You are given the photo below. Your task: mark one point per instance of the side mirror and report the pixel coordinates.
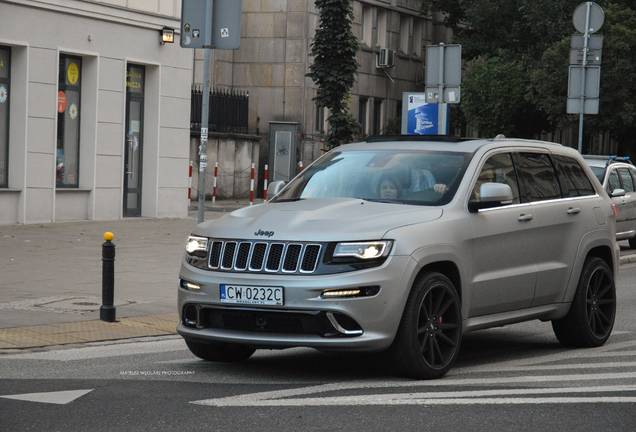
(274, 188)
(491, 195)
(618, 193)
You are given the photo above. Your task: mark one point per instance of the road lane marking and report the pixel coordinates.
(604, 365)
(252, 398)
(55, 397)
(458, 401)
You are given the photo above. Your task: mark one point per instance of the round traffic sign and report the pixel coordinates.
(597, 17)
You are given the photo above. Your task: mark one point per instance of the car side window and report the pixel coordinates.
(573, 180)
(537, 178)
(626, 179)
(498, 169)
(613, 182)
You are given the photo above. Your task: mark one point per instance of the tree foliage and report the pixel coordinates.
(516, 56)
(334, 67)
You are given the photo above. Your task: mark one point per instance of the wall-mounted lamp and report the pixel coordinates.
(167, 35)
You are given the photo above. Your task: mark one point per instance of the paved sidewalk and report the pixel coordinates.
(51, 273)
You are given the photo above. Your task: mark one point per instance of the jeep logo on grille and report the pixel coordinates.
(267, 234)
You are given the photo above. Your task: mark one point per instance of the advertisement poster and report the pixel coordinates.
(418, 117)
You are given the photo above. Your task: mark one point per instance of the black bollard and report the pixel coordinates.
(107, 310)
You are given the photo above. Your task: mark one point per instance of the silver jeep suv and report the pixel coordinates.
(404, 245)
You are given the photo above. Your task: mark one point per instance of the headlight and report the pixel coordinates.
(363, 250)
(197, 246)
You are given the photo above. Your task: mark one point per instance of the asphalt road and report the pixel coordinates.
(513, 378)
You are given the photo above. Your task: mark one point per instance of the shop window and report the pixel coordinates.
(68, 121)
(5, 85)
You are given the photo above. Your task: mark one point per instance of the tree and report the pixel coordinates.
(518, 50)
(334, 50)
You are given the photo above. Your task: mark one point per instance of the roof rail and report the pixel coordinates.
(614, 159)
(429, 138)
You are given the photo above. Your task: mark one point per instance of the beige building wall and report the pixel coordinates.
(107, 35)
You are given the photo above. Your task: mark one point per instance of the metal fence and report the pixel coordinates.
(228, 110)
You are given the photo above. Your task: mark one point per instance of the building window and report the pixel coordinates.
(320, 119)
(418, 35)
(369, 25)
(362, 114)
(383, 24)
(5, 85)
(68, 121)
(406, 34)
(377, 116)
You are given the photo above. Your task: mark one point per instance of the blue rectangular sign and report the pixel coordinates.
(419, 117)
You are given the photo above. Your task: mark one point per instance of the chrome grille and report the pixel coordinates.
(263, 256)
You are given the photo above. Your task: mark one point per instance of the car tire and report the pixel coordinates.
(219, 351)
(590, 321)
(430, 332)
(632, 243)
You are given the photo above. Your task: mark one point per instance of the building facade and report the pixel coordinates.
(94, 111)
(274, 58)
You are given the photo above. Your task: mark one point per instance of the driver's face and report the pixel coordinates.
(388, 190)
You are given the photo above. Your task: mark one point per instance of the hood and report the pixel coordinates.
(333, 219)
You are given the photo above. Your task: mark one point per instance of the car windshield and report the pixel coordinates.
(599, 172)
(405, 177)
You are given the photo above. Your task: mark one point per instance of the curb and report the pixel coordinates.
(627, 259)
(18, 338)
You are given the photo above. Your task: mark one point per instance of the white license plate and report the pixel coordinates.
(251, 295)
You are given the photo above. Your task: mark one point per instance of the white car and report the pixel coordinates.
(618, 177)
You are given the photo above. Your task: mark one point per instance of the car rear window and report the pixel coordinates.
(537, 178)
(573, 180)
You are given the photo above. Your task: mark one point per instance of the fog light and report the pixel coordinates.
(351, 292)
(341, 293)
(189, 285)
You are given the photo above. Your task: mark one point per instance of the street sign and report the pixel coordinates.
(595, 42)
(443, 73)
(594, 21)
(594, 57)
(579, 100)
(443, 80)
(196, 23)
(226, 24)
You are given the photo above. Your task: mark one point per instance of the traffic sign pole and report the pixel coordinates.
(203, 145)
(586, 38)
(441, 112)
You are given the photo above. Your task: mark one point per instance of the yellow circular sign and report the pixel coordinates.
(72, 73)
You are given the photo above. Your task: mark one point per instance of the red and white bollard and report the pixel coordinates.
(216, 174)
(265, 179)
(190, 181)
(252, 173)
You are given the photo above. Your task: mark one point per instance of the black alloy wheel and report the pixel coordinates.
(438, 326)
(601, 302)
(430, 333)
(590, 320)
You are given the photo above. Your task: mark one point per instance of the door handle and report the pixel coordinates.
(128, 162)
(525, 217)
(574, 210)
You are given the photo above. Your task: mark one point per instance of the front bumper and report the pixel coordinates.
(378, 316)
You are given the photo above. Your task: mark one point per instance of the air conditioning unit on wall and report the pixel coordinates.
(385, 59)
